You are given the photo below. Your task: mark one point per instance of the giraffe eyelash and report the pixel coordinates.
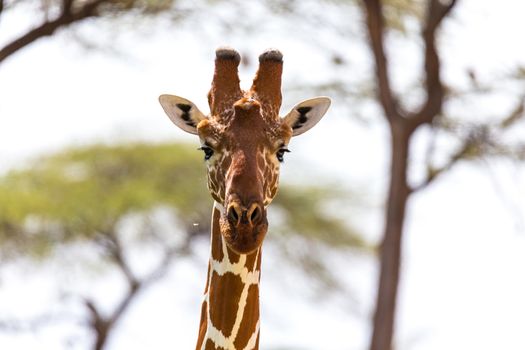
(280, 153)
(208, 151)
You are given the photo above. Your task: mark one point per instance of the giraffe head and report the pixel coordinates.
(244, 141)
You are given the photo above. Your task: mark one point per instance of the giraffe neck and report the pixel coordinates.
(230, 310)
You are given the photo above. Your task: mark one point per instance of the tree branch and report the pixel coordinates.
(481, 140)
(436, 12)
(515, 115)
(478, 143)
(433, 172)
(163, 266)
(89, 9)
(375, 24)
(103, 326)
(66, 6)
(111, 242)
(99, 324)
(123, 305)
(117, 254)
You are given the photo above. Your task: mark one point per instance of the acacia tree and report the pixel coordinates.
(479, 140)
(57, 14)
(83, 196)
(402, 126)
(474, 140)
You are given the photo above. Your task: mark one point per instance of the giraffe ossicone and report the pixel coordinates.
(244, 141)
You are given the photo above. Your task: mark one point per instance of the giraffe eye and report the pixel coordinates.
(208, 152)
(281, 152)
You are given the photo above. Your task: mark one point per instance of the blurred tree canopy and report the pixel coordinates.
(83, 192)
(474, 141)
(86, 194)
(58, 14)
(53, 15)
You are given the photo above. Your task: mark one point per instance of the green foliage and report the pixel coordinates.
(81, 193)
(143, 7)
(107, 7)
(397, 12)
(312, 225)
(306, 213)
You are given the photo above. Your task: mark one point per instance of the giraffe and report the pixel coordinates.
(244, 141)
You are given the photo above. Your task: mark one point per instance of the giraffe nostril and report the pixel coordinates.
(233, 215)
(256, 214)
(239, 215)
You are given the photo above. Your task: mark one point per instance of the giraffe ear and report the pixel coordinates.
(306, 114)
(182, 112)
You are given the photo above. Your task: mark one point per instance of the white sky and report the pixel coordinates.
(462, 280)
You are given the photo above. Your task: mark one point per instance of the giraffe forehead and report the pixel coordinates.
(243, 134)
(249, 120)
(246, 122)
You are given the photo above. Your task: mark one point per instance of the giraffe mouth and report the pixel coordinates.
(243, 238)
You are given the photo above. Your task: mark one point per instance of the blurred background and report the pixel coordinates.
(400, 221)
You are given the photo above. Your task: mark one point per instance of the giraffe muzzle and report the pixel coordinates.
(239, 215)
(244, 226)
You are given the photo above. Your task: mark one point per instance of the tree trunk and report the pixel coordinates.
(384, 316)
(100, 341)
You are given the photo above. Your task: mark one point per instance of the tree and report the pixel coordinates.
(402, 126)
(479, 140)
(69, 12)
(85, 195)
(472, 140)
